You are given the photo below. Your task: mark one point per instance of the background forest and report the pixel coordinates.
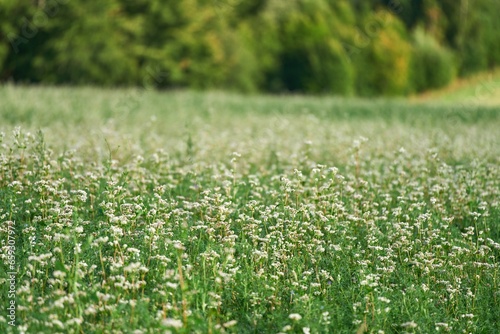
(340, 47)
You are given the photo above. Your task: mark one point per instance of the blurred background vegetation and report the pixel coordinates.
(344, 47)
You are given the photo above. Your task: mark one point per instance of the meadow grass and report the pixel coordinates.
(186, 212)
(482, 88)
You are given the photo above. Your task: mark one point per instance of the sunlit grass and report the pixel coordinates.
(480, 89)
(147, 212)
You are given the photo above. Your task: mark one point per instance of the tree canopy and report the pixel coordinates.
(378, 47)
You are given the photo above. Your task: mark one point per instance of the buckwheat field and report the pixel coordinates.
(183, 212)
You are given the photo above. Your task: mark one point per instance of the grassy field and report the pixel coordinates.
(182, 212)
(480, 89)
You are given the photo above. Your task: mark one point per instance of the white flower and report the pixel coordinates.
(58, 323)
(172, 285)
(295, 316)
(409, 324)
(59, 274)
(230, 323)
(385, 300)
(169, 322)
(178, 245)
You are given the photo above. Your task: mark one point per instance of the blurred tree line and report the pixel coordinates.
(377, 47)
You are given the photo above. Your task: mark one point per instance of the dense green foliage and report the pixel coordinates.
(433, 66)
(216, 213)
(317, 46)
